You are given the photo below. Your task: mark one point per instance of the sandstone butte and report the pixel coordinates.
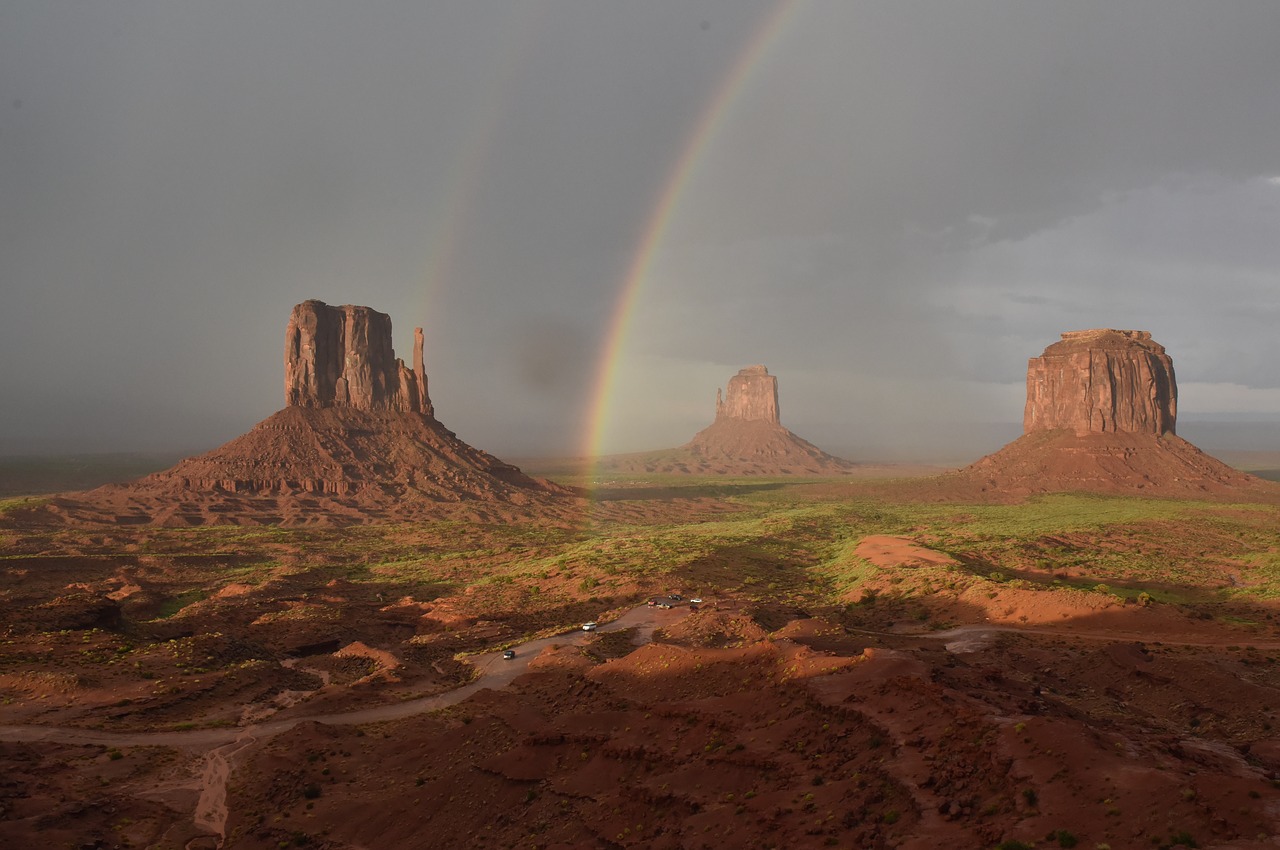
(1101, 415)
(342, 357)
(1102, 381)
(357, 440)
(746, 438)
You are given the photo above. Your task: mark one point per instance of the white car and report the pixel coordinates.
(696, 601)
(589, 627)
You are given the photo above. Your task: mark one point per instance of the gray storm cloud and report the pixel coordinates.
(903, 202)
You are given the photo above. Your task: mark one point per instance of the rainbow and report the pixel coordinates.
(464, 187)
(659, 221)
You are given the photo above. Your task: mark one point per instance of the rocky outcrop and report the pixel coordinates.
(752, 396)
(1102, 381)
(342, 357)
(1100, 416)
(357, 441)
(746, 438)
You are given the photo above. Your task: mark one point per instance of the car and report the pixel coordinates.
(675, 597)
(695, 601)
(589, 627)
(508, 654)
(666, 605)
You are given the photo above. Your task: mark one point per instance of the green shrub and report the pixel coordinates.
(1064, 838)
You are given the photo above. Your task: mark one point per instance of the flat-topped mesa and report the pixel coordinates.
(342, 357)
(1102, 381)
(752, 396)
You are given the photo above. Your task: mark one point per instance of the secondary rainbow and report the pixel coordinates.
(466, 183)
(678, 178)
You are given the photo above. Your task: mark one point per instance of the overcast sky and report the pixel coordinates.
(901, 202)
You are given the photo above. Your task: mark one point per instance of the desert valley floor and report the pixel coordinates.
(870, 665)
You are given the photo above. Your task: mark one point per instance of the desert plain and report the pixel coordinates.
(866, 669)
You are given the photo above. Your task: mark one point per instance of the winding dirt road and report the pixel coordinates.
(222, 745)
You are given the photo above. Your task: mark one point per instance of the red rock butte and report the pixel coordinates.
(752, 397)
(746, 438)
(342, 357)
(1102, 381)
(1100, 416)
(357, 441)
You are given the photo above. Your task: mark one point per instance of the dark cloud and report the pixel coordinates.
(901, 198)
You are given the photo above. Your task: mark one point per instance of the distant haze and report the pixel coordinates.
(895, 205)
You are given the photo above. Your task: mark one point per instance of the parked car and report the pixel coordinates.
(508, 654)
(675, 597)
(589, 627)
(695, 601)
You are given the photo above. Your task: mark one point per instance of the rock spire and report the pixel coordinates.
(342, 357)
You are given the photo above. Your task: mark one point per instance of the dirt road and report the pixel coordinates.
(222, 745)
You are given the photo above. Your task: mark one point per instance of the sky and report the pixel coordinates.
(600, 211)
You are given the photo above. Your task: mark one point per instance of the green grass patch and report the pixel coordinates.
(174, 604)
(9, 505)
(1263, 579)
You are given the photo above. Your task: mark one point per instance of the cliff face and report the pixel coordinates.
(1102, 381)
(342, 357)
(752, 396)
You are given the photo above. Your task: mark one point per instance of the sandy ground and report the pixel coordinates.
(298, 701)
(492, 670)
(720, 733)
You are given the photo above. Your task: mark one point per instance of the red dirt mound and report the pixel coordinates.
(1060, 461)
(736, 447)
(307, 465)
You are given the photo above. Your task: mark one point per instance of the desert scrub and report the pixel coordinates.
(1063, 837)
(844, 571)
(7, 505)
(1262, 579)
(303, 612)
(175, 604)
(1050, 514)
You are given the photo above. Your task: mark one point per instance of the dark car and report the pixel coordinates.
(675, 597)
(508, 654)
